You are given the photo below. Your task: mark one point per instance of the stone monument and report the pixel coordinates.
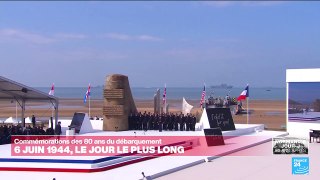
(156, 102)
(118, 103)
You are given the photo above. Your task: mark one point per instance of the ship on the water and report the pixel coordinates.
(222, 86)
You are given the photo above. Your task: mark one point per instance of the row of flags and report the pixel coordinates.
(244, 94)
(86, 96)
(186, 107)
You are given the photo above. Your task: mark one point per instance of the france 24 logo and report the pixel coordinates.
(300, 165)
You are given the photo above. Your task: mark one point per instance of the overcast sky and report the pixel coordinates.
(181, 44)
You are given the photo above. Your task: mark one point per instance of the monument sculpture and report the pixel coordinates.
(118, 103)
(156, 101)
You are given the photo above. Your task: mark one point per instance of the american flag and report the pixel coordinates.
(164, 97)
(203, 95)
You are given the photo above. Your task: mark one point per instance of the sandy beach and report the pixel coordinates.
(268, 112)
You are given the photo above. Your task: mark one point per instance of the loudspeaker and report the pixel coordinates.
(25, 90)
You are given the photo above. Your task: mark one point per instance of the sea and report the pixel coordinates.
(191, 93)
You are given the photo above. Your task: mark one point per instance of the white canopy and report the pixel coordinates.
(11, 90)
(11, 120)
(28, 120)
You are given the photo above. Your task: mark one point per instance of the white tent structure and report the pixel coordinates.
(11, 90)
(28, 120)
(11, 120)
(204, 121)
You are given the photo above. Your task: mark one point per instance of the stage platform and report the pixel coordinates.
(134, 165)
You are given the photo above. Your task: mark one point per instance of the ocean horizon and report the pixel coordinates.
(191, 93)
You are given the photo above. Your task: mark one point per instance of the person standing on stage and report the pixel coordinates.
(182, 121)
(193, 124)
(160, 123)
(57, 130)
(176, 122)
(33, 120)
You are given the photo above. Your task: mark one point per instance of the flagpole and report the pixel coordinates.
(165, 99)
(89, 106)
(89, 94)
(51, 93)
(205, 95)
(247, 110)
(16, 110)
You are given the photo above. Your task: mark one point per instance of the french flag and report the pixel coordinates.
(87, 95)
(51, 92)
(244, 94)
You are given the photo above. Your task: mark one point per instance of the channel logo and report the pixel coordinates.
(300, 165)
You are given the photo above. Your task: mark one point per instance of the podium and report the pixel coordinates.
(70, 132)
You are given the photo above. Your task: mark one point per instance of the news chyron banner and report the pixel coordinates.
(290, 145)
(128, 145)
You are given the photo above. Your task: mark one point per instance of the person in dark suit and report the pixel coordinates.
(139, 121)
(160, 123)
(57, 130)
(146, 118)
(156, 122)
(50, 131)
(182, 122)
(33, 120)
(41, 131)
(187, 121)
(193, 123)
(151, 122)
(176, 122)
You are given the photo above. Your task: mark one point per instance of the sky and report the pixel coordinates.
(180, 44)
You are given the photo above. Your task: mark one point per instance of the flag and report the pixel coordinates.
(164, 97)
(186, 107)
(51, 92)
(203, 95)
(244, 94)
(87, 95)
